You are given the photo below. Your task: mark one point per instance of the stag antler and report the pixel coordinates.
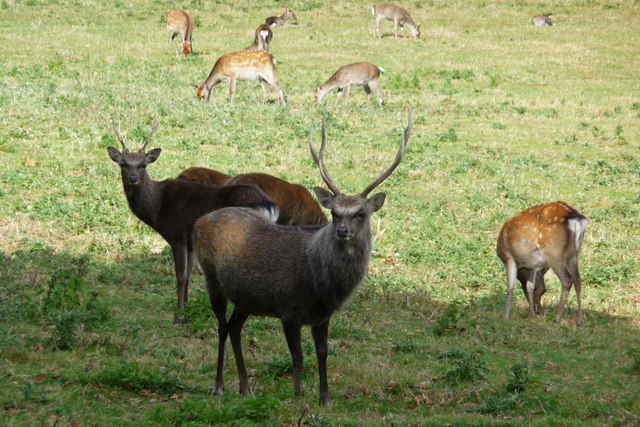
(320, 159)
(113, 120)
(155, 126)
(385, 174)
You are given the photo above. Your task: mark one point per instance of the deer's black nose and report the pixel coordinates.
(342, 231)
(133, 179)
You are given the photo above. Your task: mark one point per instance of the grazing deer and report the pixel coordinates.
(394, 13)
(542, 21)
(363, 74)
(281, 20)
(542, 237)
(262, 38)
(179, 23)
(297, 205)
(298, 275)
(171, 207)
(246, 65)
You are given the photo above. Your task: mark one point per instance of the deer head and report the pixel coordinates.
(351, 213)
(132, 164)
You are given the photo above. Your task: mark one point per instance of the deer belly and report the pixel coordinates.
(248, 75)
(533, 258)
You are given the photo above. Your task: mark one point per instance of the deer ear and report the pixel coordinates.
(376, 201)
(115, 155)
(325, 197)
(152, 155)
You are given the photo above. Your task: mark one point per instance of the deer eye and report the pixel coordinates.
(361, 216)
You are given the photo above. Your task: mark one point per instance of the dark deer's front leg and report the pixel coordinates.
(320, 337)
(292, 331)
(181, 263)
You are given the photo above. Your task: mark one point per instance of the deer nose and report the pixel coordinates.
(342, 231)
(133, 179)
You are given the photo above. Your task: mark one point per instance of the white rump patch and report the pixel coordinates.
(577, 227)
(382, 70)
(272, 213)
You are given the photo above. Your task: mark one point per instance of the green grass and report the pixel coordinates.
(506, 115)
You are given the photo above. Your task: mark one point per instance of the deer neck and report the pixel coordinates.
(338, 267)
(144, 199)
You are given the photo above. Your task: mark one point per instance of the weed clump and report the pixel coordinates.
(467, 367)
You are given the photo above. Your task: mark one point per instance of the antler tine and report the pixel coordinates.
(155, 126)
(384, 175)
(113, 120)
(320, 158)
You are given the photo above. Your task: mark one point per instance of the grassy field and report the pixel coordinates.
(506, 115)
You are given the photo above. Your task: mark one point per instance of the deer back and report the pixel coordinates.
(297, 205)
(204, 176)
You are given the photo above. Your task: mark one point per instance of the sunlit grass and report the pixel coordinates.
(505, 115)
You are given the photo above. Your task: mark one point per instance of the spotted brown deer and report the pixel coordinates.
(281, 20)
(398, 15)
(171, 207)
(542, 237)
(297, 205)
(363, 74)
(301, 276)
(262, 38)
(179, 23)
(247, 65)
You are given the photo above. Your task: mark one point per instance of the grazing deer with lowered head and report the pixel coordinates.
(398, 15)
(245, 65)
(363, 74)
(297, 205)
(179, 23)
(542, 21)
(262, 38)
(542, 237)
(171, 207)
(298, 275)
(281, 20)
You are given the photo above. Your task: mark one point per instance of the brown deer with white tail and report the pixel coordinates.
(171, 207)
(281, 20)
(542, 237)
(247, 65)
(262, 38)
(363, 74)
(179, 23)
(398, 15)
(299, 275)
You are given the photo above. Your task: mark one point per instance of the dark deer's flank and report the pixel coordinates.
(297, 205)
(298, 275)
(171, 207)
